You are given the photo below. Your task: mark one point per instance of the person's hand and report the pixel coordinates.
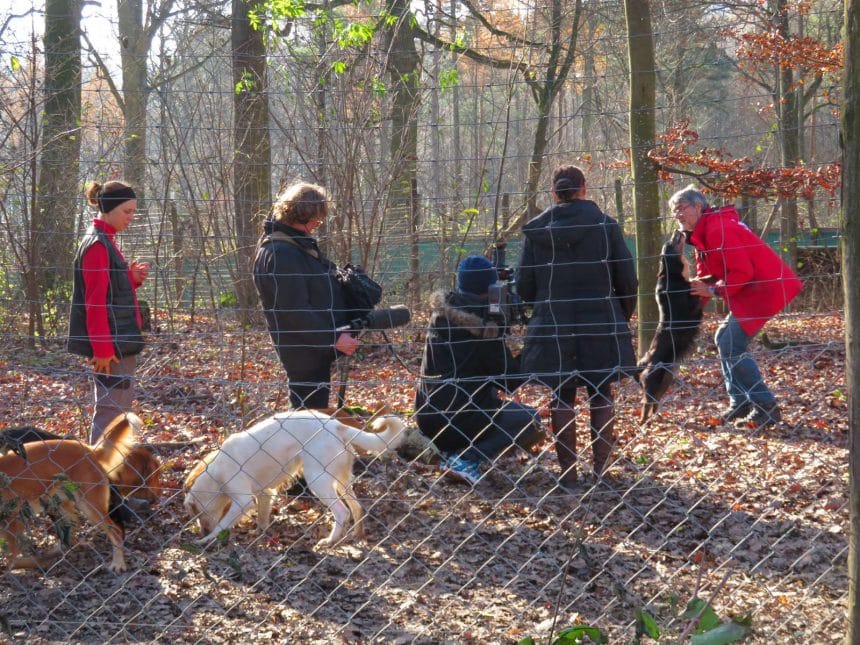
(139, 271)
(102, 365)
(701, 288)
(347, 344)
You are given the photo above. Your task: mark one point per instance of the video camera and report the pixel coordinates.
(504, 304)
(385, 318)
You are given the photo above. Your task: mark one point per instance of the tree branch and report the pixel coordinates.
(495, 30)
(100, 64)
(526, 70)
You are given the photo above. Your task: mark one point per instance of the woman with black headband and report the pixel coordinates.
(105, 322)
(578, 275)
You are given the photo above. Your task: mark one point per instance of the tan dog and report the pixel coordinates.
(68, 470)
(139, 475)
(251, 465)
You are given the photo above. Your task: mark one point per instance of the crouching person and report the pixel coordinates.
(466, 363)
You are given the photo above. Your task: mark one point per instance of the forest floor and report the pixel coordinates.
(755, 522)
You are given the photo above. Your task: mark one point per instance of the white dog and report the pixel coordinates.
(251, 465)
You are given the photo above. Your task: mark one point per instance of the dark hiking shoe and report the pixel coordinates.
(569, 480)
(760, 417)
(734, 412)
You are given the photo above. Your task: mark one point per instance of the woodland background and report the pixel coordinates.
(435, 125)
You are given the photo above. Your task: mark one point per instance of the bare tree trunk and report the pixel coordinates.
(404, 68)
(749, 212)
(58, 184)
(134, 46)
(32, 266)
(561, 54)
(538, 149)
(252, 189)
(414, 259)
(323, 71)
(457, 188)
(619, 204)
(451, 216)
(589, 90)
(850, 226)
(646, 201)
(789, 129)
(436, 199)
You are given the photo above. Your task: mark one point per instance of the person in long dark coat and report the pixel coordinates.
(579, 277)
(300, 295)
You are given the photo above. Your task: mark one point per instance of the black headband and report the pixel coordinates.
(110, 199)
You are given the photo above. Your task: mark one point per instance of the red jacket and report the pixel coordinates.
(756, 283)
(96, 283)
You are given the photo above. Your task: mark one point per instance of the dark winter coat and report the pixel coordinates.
(580, 279)
(301, 299)
(466, 362)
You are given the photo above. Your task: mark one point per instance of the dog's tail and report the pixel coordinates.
(117, 441)
(387, 434)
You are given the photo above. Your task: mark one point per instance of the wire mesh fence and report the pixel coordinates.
(697, 525)
(753, 522)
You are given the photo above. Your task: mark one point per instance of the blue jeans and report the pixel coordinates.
(740, 371)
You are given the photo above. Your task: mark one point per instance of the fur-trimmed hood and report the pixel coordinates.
(464, 311)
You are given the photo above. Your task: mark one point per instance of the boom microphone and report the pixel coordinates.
(395, 316)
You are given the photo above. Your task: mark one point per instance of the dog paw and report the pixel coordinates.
(331, 541)
(118, 566)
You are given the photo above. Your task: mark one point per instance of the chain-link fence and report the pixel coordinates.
(752, 522)
(435, 128)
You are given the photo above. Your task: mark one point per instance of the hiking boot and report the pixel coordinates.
(461, 469)
(736, 411)
(564, 428)
(760, 417)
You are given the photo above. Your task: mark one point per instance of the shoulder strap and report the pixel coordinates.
(280, 236)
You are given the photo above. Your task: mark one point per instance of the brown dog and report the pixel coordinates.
(138, 476)
(70, 471)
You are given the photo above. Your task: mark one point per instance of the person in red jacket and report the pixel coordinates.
(734, 264)
(105, 321)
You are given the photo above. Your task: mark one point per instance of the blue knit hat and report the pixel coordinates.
(475, 275)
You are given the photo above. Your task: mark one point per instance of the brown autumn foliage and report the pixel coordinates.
(717, 170)
(756, 522)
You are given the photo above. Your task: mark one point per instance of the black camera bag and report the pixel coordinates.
(361, 293)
